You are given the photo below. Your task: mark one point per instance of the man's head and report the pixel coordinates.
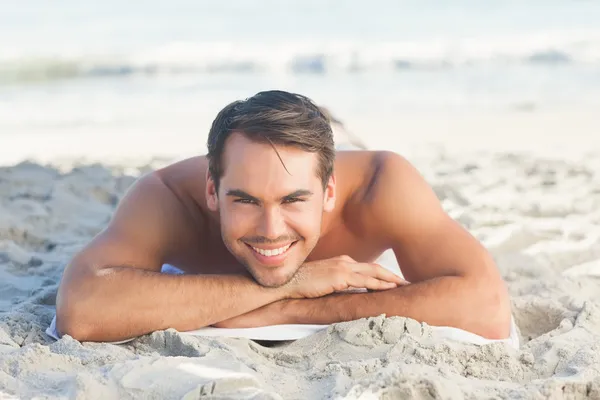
(271, 178)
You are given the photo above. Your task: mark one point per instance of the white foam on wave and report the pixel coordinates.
(299, 57)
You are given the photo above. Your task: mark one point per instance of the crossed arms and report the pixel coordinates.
(113, 288)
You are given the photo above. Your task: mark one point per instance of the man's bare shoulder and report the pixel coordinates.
(184, 174)
(366, 172)
(357, 173)
(186, 180)
(386, 172)
(385, 183)
(141, 232)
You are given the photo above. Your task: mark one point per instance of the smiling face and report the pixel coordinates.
(270, 212)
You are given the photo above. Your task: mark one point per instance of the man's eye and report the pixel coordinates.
(245, 201)
(293, 200)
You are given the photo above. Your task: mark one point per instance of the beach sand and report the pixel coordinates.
(539, 217)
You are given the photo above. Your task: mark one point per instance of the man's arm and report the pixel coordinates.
(454, 281)
(113, 289)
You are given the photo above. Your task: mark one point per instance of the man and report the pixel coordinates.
(271, 227)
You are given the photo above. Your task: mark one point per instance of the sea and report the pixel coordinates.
(128, 79)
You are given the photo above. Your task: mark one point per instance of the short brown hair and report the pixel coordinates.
(276, 117)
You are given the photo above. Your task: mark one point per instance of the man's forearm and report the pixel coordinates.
(445, 301)
(121, 303)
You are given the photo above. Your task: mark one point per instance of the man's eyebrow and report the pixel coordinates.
(298, 193)
(240, 193)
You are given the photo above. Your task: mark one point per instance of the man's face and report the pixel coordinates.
(270, 214)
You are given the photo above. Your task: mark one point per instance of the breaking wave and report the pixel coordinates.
(306, 58)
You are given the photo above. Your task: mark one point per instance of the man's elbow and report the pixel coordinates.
(70, 322)
(495, 313)
(74, 313)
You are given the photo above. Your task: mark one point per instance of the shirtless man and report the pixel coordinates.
(271, 227)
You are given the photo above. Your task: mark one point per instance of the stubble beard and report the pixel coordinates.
(266, 283)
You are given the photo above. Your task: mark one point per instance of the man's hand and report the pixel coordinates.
(318, 279)
(323, 277)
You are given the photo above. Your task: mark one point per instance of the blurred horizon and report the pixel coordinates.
(137, 79)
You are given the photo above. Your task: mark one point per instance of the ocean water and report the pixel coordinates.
(89, 78)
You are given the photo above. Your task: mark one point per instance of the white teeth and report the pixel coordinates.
(271, 253)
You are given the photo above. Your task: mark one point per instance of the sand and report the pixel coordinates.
(539, 216)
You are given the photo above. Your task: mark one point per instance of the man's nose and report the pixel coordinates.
(272, 225)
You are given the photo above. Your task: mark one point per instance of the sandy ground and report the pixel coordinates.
(538, 215)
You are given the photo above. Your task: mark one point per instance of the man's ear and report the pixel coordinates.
(212, 198)
(329, 199)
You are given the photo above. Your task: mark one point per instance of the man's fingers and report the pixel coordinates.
(383, 273)
(368, 282)
(377, 271)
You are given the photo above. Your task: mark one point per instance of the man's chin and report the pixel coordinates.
(270, 282)
(273, 279)
(272, 285)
